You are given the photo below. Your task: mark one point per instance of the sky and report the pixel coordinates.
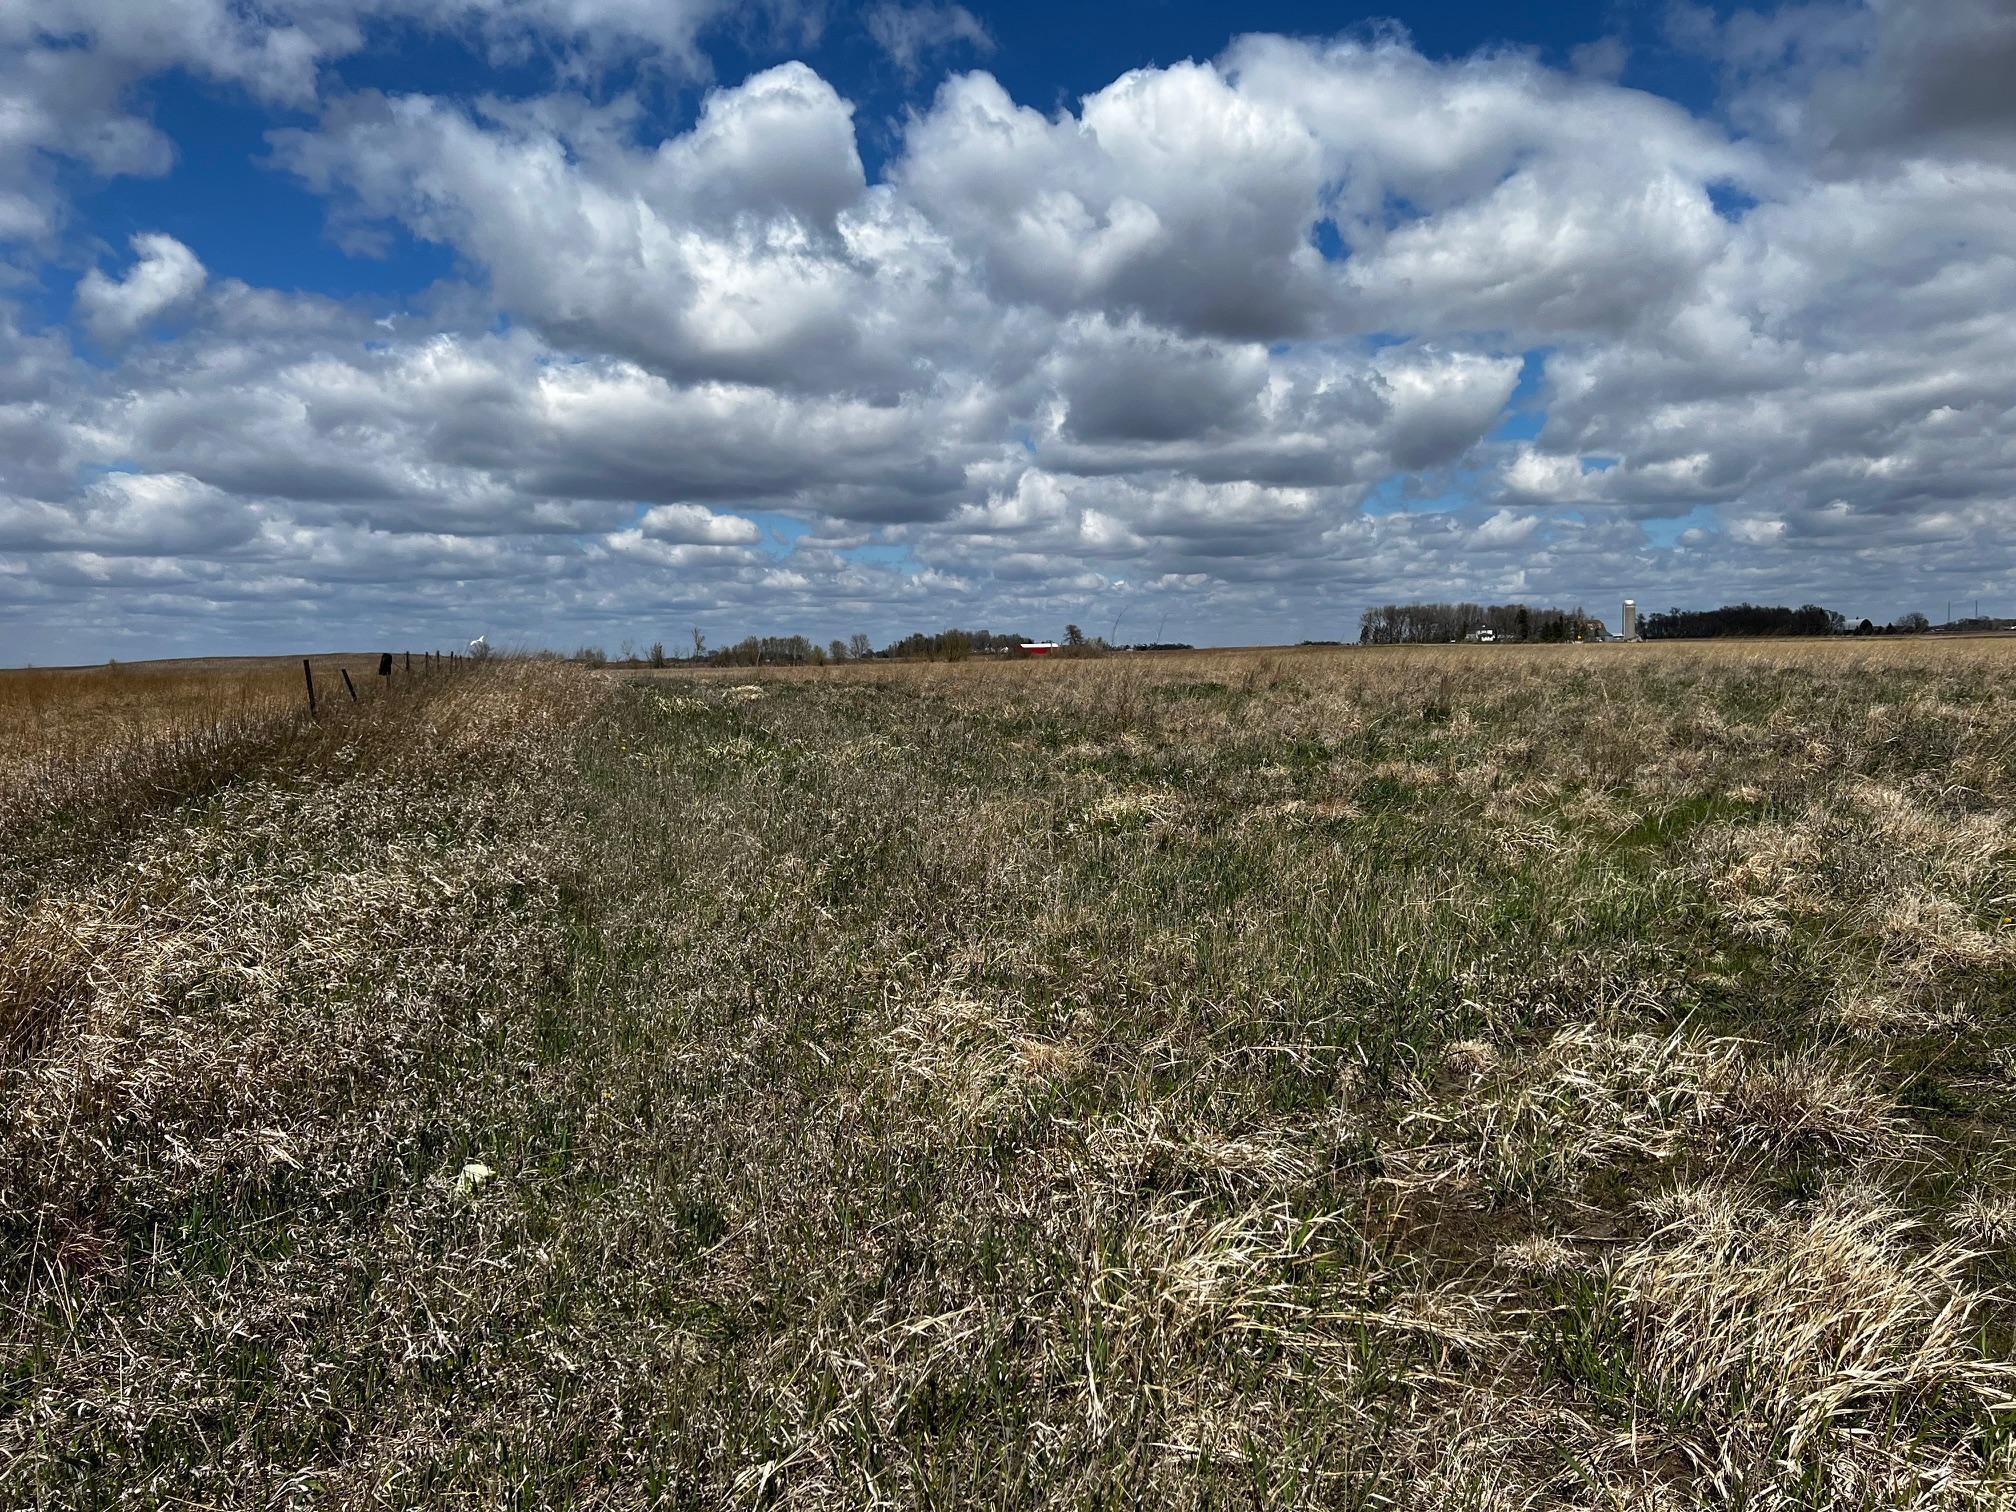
(388, 323)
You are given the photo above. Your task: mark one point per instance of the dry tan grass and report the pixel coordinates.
(48, 713)
(125, 734)
(1787, 1330)
(1465, 1077)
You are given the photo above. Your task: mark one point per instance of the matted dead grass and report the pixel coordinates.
(1468, 1077)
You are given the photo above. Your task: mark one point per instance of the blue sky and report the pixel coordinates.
(594, 321)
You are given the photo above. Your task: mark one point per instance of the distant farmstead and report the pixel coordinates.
(1037, 648)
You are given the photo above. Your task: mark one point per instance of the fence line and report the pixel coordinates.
(392, 672)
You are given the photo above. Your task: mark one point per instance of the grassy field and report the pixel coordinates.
(1469, 1078)
(68, 734)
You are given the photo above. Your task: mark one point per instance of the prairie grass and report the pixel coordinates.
(48, 713)
(1469, 1078)
(124, 734)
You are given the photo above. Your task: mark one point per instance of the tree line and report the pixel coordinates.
(799, 651)
(781, 651)
(1439, 624)
(953, 645)
(1742, 619)
(1386, 625)
(935, 645)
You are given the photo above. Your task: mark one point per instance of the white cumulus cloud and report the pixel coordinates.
(1264, 336)
(165, 277)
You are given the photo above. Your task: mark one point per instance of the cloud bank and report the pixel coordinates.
(1241, 345)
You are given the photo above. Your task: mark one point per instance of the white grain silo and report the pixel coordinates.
(1630, 619)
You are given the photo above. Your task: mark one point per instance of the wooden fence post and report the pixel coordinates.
(349, 685)
(309, 673)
